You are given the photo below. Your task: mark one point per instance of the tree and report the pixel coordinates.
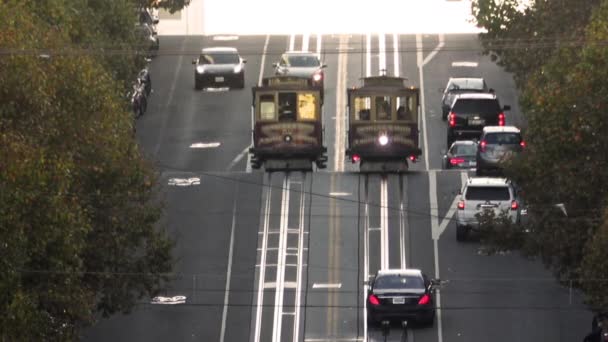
(79, 208)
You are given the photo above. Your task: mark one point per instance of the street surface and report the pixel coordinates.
(284, 256)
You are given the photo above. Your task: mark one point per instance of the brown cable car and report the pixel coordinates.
(383, 124)
(287, 132)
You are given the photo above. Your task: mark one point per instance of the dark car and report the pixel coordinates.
(497, 144)
(470, 113)
(461, 155)
(219, 67)
(460, 85)
(301, 64)
(401, 294)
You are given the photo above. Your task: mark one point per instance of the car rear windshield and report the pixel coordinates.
(397, 281)
(502, 138)
(487, 193)
(464, 150)
(471, 83)
(476, 106)
(220, 58)
(303, 61)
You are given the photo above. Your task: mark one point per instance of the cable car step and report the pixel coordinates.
(288, 165)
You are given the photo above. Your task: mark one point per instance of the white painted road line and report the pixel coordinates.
(396, 72)
(281, 258)
(448, 217)
(229, 270)
(261, 76)
(340, 134)
(305, 42)
(326, 286)
(403, 224)
(300, 256)
(420, 63)
(319, 37)
(262, 272)
(238, 158)
(382, 54)
(465, 64)
(337, 194)
(435, 50)
(434, 229)
(384, 223)
(368, 55)
(292, 42)
(365, 257)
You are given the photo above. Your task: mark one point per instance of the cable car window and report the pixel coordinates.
(307, 106)
(407, 108)
(362, 108)
(383, 107)
(267, 107)
(287, 106)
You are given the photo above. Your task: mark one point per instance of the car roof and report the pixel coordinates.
(487, 181)
(220, 49)
(482, 96)
(400, 271)
(501, 129)
(465, 80)
(465, 142)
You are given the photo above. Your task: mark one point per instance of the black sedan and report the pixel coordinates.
(219, 67)
(401, 295)
(460, 85)
(301, 64)
(461, 155)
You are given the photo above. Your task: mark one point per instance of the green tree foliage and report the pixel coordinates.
(170, 5)
(594, 268)
(79, 208)
(563, 97)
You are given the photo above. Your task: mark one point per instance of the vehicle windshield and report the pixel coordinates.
(487, 193)
(503, 138)
(467, 84)
(303, 61)
(219, 58)
(464, 150)
(398, 281)
(476, 106)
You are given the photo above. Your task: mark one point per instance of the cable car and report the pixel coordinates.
(383, 124)
(287, 132)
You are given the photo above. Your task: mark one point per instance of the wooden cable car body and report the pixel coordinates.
(383, 124)
(287, 131)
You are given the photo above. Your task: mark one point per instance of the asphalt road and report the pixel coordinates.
(283, 257)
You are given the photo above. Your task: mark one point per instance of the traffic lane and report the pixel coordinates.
(201, 230)
(503, 297)
(188, 117)
(332, 305)
(460, 48)
(241, 291)
(330, 56)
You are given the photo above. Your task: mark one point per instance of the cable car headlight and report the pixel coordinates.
(287, 138)
(200, 69)
(317, 77)
(383, 139)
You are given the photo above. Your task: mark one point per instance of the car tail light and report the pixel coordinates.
(482, 146)
(356, 158)
(460, 205)
(424, 300)
(523, 144)
(412, 158)
(456, 161)
(452, 118)
(373, 300)
(501, 119)
(514, 205)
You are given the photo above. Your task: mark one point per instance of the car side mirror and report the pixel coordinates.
(506, 107)
(155, 21)
(491, 90)
(323, 66)
(194, 61)
(244, 60)
(435, 282)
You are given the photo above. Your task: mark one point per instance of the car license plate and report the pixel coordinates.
(476, 121)
(472, 163)
(219, 79)
(399, 300)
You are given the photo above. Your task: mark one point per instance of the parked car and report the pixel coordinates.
(497, 144)
(461, 155)
(219, 66)
(148, 40)
(485, 193)
(302, 64)
(146, 17)
(460, 85)
(401, 294)
(471, 112)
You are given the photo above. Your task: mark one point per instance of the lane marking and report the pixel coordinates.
(465, 64)
(300, 254)
(285, 284)
(420, 62)
(292, 42)
(336, 194)
(448, 217)
(403, 224)
(431, 55)
(326, 286)
(396, 54)
(225, 38)
(352, 339)
(305, 42)
(384, 264)
(340, 134)
(382, 54)
(281, 258)
(368, 55)
(184, 181)
(205, 145)
(434, 229)
(319, 37)
(229, 271)
(238, 158)
(262, 265)
(365, 256)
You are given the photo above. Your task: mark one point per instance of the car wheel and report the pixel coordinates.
(461, 233)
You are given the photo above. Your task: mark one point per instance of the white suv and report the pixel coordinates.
(485, 193)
